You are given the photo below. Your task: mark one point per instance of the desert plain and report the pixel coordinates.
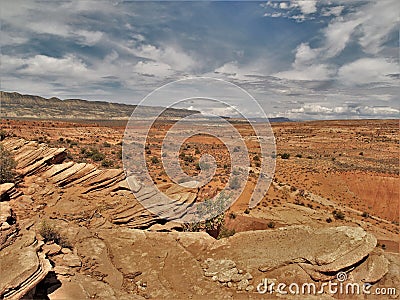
(333, 206)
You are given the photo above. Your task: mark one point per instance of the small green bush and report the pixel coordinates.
(338, 215)
(50, 233)
(7, 166)
(271, 224)
(225, 232)
(107, 163)
(285, 155)
(98, 156)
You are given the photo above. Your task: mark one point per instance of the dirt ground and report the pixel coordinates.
(350, 167)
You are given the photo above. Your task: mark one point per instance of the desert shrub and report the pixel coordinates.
(50, 233)
(338, 215)
(232, 215)
(328, 220)
(285, 155)
(119, 154)
(365, 215)
(225, 232)
(212, 211)
(3, 135)
(309, 157)
(247, 211)
(106, 145)
(271, 224)
(256, 158)
(107, 163)
(197, 151)
(188, 158)
(98, 156)
(154, 160)
(7, 166)
(94, 154)
(299, 155)
(361, 153)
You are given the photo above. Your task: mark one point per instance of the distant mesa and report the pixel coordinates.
(16, 105)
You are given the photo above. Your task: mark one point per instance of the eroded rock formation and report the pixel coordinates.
(118, 249)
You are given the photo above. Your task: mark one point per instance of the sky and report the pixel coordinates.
(299, 59)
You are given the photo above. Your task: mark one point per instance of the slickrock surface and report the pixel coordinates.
(121, 251)
(22, 266)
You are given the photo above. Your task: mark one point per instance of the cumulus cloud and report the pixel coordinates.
(307, 6)
(306, 67)
(367, 70)
(45, 65)
(345, 111)
(167, 55)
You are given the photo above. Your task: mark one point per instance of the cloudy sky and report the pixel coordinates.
(299, 59)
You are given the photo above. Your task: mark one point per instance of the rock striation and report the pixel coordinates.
(120, 250)
(22, 266)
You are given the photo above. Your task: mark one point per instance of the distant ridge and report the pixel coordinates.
(16, 105)
(272, 120)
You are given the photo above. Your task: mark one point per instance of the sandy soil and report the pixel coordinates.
(351, 166)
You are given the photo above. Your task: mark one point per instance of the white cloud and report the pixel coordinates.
(305, 55)
(337, 35)
(312, 72)
(89, 38)
(169, 55)
(367, 70)
(307, 67)
(45, 65)
(353, 111)
(151, 68)
(379, 20)
(332, 11)
(307, 6)
(372, 22)
(283, 5)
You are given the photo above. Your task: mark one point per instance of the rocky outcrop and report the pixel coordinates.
(8, 191)
(55, 178)
(112, 259)
(22, 266)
